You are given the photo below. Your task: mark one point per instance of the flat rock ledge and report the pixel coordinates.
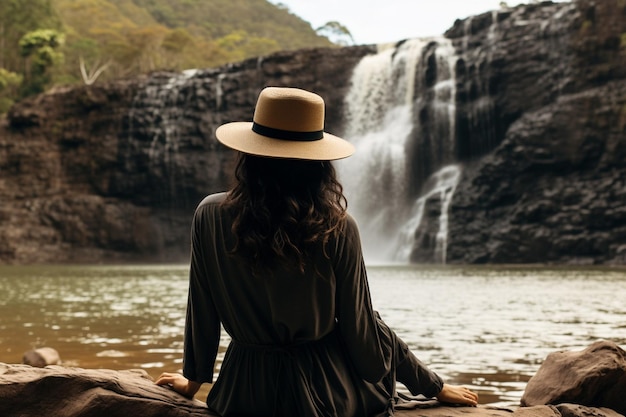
(56, 390)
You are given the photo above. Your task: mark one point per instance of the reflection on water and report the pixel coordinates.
(492, 327)
(110, 317)
(481, 326)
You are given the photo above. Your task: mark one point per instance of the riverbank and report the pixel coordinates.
(587, 383)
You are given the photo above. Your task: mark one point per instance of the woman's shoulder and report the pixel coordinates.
(350, 221)
(351, 225)
(211, 206)
(349, 231)
(217, 198)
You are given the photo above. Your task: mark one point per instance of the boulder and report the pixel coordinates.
(593, 377)
(71, 392)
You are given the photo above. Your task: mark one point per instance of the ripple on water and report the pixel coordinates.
(486, 327)
(111, 354)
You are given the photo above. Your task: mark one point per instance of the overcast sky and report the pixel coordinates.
(381, 21)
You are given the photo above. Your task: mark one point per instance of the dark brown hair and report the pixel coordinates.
(283, 208)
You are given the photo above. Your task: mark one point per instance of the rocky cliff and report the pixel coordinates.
(113, 172)
(553, 189)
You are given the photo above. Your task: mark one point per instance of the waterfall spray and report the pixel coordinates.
(389, 90)
(441, 186)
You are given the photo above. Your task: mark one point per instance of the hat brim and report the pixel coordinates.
(239, 136)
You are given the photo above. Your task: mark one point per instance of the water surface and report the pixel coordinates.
(486, 327)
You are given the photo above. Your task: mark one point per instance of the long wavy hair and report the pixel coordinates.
(284, 208)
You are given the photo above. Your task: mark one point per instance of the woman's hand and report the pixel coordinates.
(179, 383)
(456, 394)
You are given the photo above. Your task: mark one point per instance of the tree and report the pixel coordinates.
(336, 32)
(40, 49)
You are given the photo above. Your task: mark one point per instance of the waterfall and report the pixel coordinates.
(164, 144)
(158, 126)
(415, 233)
(400, 114)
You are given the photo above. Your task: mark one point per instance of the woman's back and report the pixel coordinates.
(287, 345)
(278, 306)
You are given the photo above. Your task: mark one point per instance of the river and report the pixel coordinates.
(485, 327)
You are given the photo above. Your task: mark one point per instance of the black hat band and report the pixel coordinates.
(287, 134)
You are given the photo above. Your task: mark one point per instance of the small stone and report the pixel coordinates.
(41, 357)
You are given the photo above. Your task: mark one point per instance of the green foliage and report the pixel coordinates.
(139, 36)
(239, 45)
(40, 48)
(33, 42)
(177, 40)
(108, 39)
(218, 18)
(9, 80)
(9, 87)
(17, 18)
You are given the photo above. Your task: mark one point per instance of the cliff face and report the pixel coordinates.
(553, 189)
(113, 172)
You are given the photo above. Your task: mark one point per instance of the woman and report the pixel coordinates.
(277, 262)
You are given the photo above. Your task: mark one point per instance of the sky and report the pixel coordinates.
(382, 21)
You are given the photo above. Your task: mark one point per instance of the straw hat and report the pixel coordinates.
(288, 123)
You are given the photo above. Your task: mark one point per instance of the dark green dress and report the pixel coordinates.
(302, 344)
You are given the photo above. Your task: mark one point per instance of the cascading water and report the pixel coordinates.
(441, 187)
(165, 143)
(158, 126)
(400, 116)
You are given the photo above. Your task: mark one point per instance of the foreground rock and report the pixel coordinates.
(71, 392)
(590, 383)
(561, 410)
(595, 377)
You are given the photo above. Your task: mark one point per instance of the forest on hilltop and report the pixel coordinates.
(44, 43)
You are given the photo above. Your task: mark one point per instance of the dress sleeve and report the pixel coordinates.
(202, 326)
(369, 348)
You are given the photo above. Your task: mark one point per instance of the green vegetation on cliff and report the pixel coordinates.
(49, 42)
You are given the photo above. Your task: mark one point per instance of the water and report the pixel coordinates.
(443, 184)
(485, 327)
(400, 115)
